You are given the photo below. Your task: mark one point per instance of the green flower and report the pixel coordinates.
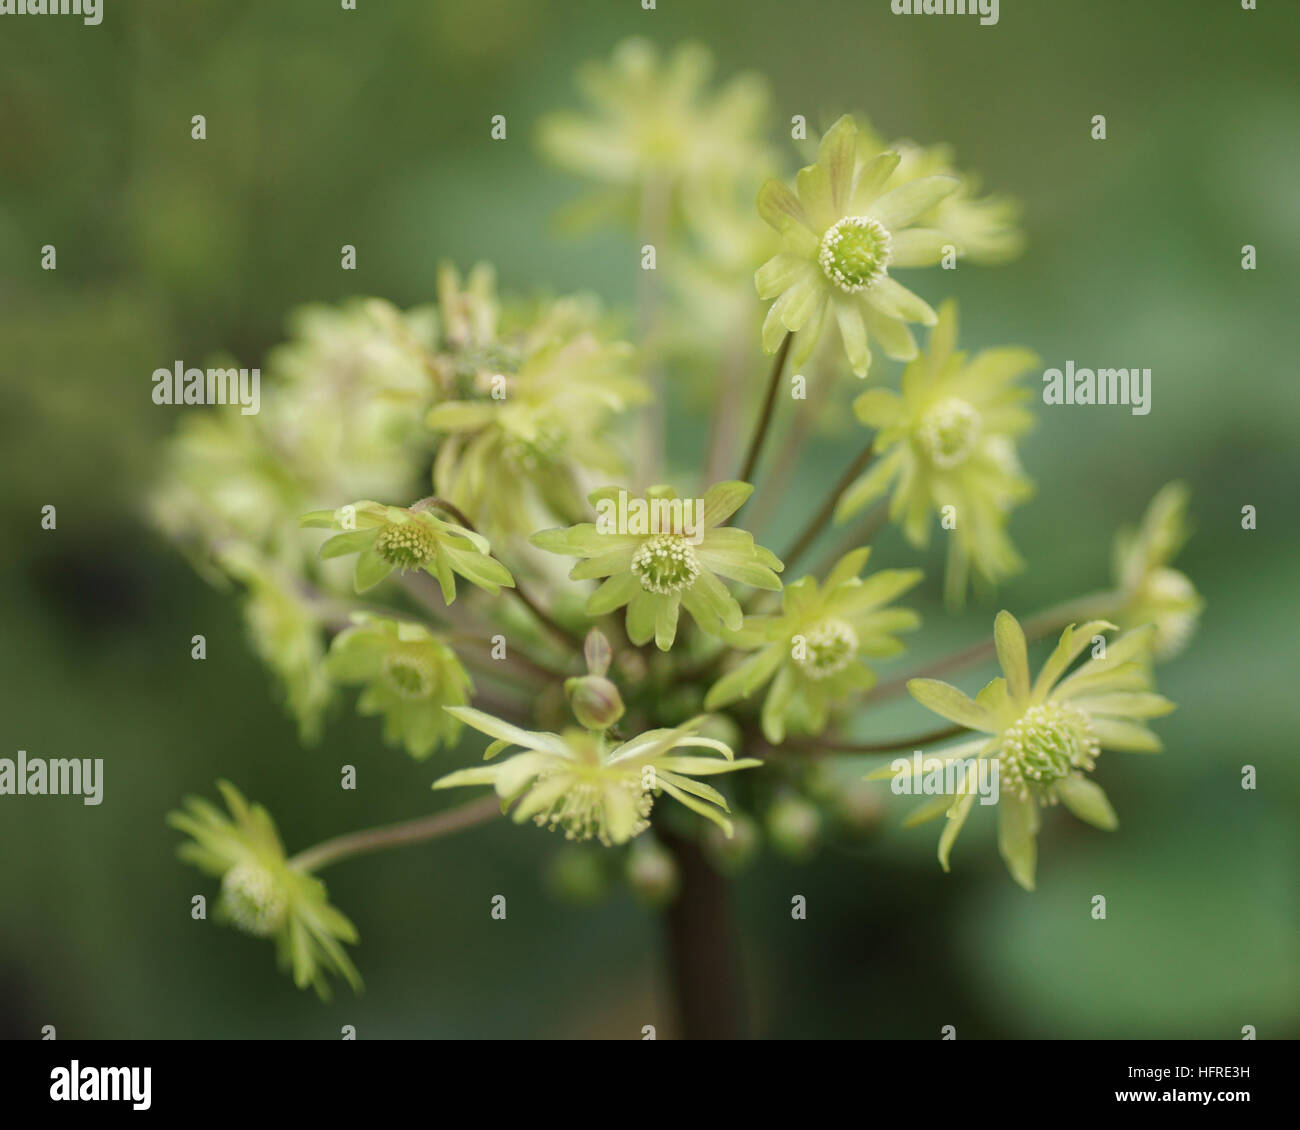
(286, 634)
(817, 646)
(409, 676)
(263, 893)
(1045, 736)
(948, 441)
(656, 128)
(1152, 592)
(984, 229)
(842, 233)
(659, 554)
(533, 408)
(393, 537)
(578, 782)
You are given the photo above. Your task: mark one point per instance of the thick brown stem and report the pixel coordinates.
(704, 949)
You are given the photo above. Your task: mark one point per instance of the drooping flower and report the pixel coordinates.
(262, 892)
(948, 441)
(1151, 591)
(843, 233)
(1044, 737)
(814, 652)
(395, 537)
(409, 676)
(659, 553)
(531, 402)
(578, 782)
(286, 633)
(655, 130)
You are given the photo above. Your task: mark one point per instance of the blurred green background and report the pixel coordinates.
(371, 127)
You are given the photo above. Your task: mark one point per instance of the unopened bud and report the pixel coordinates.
(794, 826)
(595, 701)
(651, 872)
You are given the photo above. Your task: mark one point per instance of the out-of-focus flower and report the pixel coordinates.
(948, 441)
(842, 233)
(286, 632)
(578, 782)
(1044, 736)
(983, 229)
(814, 652)
(655, 134)
(1151, 591)
(262, 893)
(409, 676)
(660, 553)
(528, 414)
(395, 537)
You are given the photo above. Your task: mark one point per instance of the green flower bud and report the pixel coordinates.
(595, 701)
(794, 826)
(651, 872)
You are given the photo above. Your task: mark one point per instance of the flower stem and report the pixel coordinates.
(765, 418)
(396, 835)
(703, 948)
(527, 601)
(819, 520)
(833, 745)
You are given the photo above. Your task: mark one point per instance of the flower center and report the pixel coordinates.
(1049, 742)
(949, 432)
(829, 647)
(409, 672)
(665, 564)
(407, 545)
(855, 253)
(255, 903)
(581, 809)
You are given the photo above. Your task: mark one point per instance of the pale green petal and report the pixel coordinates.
(917, 247)
(614, 593)
(1009, 639)
(1017, 843)
(948, 702)
(370, 570)
(354, 541)
(779, 206)
(1086, 800)
(743, 680)
(1125, 737)
(900, 206)
(780, 273)
(722, 500)
(1073, 640)
(956, 818)
(853, 332)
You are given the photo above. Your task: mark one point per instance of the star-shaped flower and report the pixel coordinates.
(948, 442)
(842, 235)
(409, 676)
(817, 646)
(578, 782)
(396, 537)
(1043, 737)
(263, 893)
(660, 553)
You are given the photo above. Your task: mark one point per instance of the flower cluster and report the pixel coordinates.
(486, 424)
